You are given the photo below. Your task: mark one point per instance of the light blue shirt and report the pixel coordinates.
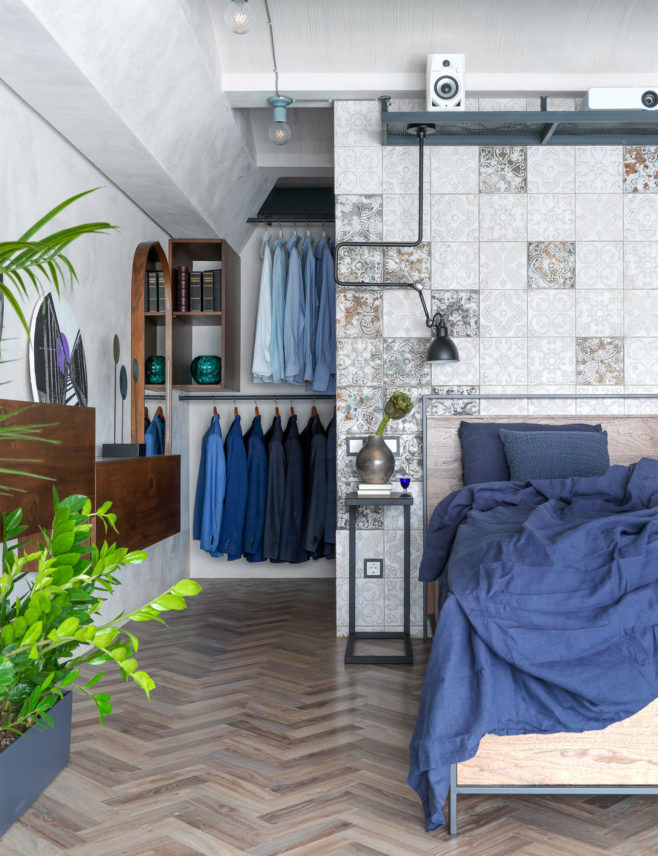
(261, 367)
(310, 308)
(293, 329)
(278, 309)
(324, 376)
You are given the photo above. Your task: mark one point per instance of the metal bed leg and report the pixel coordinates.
(453, 799)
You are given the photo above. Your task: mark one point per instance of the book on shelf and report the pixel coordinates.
(207, 285)
(182, 289)
(377, 488)
(152, 288)
(195, 291)
(161, 291)
(217, 290)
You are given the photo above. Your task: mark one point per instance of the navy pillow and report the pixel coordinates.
(555, 454)
(483, 456)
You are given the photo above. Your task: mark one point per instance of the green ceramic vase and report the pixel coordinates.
(207, 369)
(155, 369)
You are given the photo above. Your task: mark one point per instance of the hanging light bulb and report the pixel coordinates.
(236, 16)
(279, 132)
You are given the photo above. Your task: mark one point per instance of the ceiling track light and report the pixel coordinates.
(236, 16)
(279, 132)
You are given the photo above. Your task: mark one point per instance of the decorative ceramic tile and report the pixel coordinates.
(641, 169)
(358, 361)
(640, 312)
(403, 314)
(641, 360)
(453, 406)
(367, 516)
(551, 217)
(552, 407)
(410, 460)
(345, 469)
(553, 103)
(454, 169)
(455, 217)
(504, 104)
(394, 603)
(511, 406)
(600, 264)
(503, 361)
(550, 169)
(369, 545)
(599, 216)
(641, 406)
(640, 264)
(357, 123)
(460, 310)
(551, 312)
(503, 264)
(407, 105)
(503, 313)
(394, 517)
(413, 422)
(598, 407)
(404, 362)
(641, 217)
(401, 217)
(361, 264)
(598, 169)
(369, 602)
(357, 170)
(454, 265)
(503, 217)
(599, 360)
(551, 264)
(394, 554)
(342, 606)
(401, 170)
(359, 218)
(358, 312)
(599, 313)
(552, 360)
(407, 264)
(465, 372)
(358, 409)
(342, 554)
(503, 169)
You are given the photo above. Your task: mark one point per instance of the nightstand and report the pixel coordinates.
(353, 501)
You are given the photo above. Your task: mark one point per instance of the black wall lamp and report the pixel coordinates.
(442, 349)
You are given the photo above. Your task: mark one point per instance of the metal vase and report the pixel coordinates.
(375, 462)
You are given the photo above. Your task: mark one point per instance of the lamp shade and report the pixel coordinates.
(442, 349)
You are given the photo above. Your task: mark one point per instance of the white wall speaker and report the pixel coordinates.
(622, 98)
(445, 82)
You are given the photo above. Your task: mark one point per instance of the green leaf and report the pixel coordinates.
(143, 680)
(93, 681)
(136, 557)
(104, 637)
(129, 666)
(169, 601)
(187, 588)
(34, 653)
(68, 626)
(32, 634)
(69, 678)
(63, 542)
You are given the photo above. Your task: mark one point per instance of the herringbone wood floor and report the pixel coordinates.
(259, 741)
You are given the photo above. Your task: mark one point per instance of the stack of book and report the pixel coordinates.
(382, 490)
(154, 291)
(182, 289)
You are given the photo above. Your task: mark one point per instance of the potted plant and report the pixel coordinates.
(50, 599)
(375, 462)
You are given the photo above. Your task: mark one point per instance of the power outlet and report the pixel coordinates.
(373, 568)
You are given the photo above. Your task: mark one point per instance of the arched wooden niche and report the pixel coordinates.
(150, 335)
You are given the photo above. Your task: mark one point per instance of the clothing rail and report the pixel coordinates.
(283, 396)
(270, 220)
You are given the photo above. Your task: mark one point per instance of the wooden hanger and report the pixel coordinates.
(146, 413)
(256, 410)
(160, 412)
(235, 410)
(292, 410)
(276, 412)
(214, 410)
(314, 412)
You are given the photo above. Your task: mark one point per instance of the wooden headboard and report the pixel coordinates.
(629, 439)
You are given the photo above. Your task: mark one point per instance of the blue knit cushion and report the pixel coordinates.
(555, 454)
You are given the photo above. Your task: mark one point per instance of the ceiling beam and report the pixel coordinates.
(252, 90)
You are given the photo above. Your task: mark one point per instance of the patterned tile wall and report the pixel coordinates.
(543, 260)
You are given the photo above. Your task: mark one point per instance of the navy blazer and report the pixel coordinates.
(252, 537)
(330, 504)
(235, 503)
(276, 483)
(316, 490)
(290, 545)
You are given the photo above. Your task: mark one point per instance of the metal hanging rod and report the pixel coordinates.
(282, 396)
(538, 395)
(287, 218)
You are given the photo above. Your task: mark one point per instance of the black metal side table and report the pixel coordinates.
(352, 500)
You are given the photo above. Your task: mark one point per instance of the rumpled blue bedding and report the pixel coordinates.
(549, 614)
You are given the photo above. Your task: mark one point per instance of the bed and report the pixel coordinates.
(621, 758)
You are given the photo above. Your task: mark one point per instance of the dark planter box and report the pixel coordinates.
(30, 764)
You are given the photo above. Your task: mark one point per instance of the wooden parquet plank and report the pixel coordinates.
(259, 741)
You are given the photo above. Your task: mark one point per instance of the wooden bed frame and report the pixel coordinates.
(620, 759)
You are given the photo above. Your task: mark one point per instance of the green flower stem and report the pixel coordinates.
(382, 425)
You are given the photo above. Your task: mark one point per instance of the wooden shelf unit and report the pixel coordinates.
(218, 332)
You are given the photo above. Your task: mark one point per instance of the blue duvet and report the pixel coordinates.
(549, 616)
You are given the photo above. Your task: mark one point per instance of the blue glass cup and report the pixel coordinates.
(405, 482)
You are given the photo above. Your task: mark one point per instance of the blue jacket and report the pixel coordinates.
(214, 489)
(290, 543)
(152, 439)
(276, 483)
(252, 537)
(278, 310)
(324, 376)
(200, 487)
(310, 308)
(293, 328)
(330, 502)
(235, 503)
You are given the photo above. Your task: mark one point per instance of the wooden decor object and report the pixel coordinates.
(145, 496)
(150, 334)
(69, 462)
